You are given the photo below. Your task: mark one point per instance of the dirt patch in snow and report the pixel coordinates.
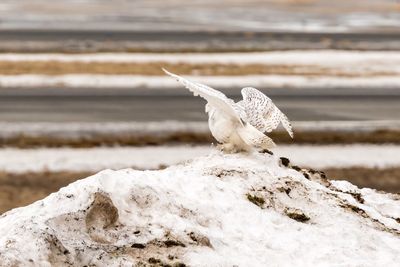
(102, 214)
(256, 200)
(296, 215)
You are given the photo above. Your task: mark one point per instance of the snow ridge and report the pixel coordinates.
(202, 213)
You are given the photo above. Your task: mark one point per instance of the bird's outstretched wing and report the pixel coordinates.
(262, 113)
(253, 137)
(213, 97)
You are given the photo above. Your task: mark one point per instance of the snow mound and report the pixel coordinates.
(218, 210)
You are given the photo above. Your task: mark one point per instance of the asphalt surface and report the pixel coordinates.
(117, 40)
(118, 35)
(184, 107)
(97, 105)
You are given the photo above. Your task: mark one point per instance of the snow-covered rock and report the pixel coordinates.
(218, 210)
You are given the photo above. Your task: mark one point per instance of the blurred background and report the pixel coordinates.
(81, 86)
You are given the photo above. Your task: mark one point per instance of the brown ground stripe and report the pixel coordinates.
(127, 139)
(382, 179)
(22, 189)
(338, 137)
(154, 68)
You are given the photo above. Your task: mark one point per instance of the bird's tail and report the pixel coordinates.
(253, 137)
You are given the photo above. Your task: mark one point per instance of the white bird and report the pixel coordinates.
(239, 126)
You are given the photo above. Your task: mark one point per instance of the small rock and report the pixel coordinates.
(297, 168)
(285, 161)
(173, 243)
(138, 245)
(267, 151)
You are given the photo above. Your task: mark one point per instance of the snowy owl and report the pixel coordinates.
(239, 126)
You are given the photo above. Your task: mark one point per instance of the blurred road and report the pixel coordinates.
(117, 40)
(105, 106)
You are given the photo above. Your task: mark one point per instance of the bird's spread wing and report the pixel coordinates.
(253, 137)
(213, 97)
(262, 113)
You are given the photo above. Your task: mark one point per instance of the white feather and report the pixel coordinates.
(213, 97)
(239, 126)
(262, 113)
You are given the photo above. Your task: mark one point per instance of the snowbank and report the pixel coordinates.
(89, 129)
(132, 82)
(218, 210)
(366, 59)
(14, 160)
(95, 159)
(342, 156)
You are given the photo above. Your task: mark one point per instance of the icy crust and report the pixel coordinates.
(218, 210)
